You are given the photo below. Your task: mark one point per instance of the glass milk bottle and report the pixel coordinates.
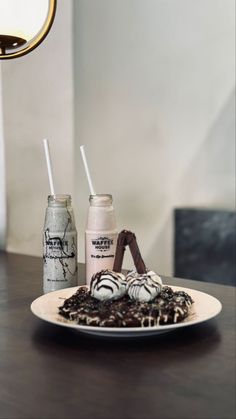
(100, 236)
(59, 245)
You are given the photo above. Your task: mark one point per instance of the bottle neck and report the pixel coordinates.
(100, 200)
(101, 216)
(59, 201)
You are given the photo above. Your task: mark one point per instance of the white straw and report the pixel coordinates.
(49, 165)
(92, 192)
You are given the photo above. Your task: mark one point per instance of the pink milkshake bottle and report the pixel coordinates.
(101, 232)
(100, 236)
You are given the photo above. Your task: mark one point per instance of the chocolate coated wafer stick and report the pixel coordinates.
(134, 249)
(120, 250)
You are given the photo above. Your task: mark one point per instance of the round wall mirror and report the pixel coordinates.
(23, 25)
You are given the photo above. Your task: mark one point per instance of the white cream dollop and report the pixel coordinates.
(107, 285)
(143, 287)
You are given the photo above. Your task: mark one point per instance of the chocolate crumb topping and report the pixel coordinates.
(166, 308)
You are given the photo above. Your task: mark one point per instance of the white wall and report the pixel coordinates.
(2, 175)
(154, 105)
(38, 103)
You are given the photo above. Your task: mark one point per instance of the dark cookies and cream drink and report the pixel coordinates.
(101, 235)
(59, 245)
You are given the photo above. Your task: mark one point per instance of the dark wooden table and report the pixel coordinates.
(47, 371)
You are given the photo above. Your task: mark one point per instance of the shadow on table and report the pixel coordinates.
(189, 342)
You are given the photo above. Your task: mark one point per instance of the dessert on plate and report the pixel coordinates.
(138, 299)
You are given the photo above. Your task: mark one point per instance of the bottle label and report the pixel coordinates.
(60, 260)
(100, 252)
(58, 246)
(102, 247)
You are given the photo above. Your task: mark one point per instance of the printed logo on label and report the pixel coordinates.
(102, 244)
(59, 248)
(56, 243)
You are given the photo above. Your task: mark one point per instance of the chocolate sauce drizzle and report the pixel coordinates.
(61, 255)
(168, 307)
(108, 280)
(138, 283)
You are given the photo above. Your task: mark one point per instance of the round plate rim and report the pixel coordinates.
(125, 330)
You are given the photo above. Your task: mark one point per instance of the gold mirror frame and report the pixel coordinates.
(34, 42)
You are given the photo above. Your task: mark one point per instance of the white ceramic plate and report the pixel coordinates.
(205, 307)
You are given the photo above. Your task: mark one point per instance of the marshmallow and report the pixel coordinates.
(143, 287)
(107, 285)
